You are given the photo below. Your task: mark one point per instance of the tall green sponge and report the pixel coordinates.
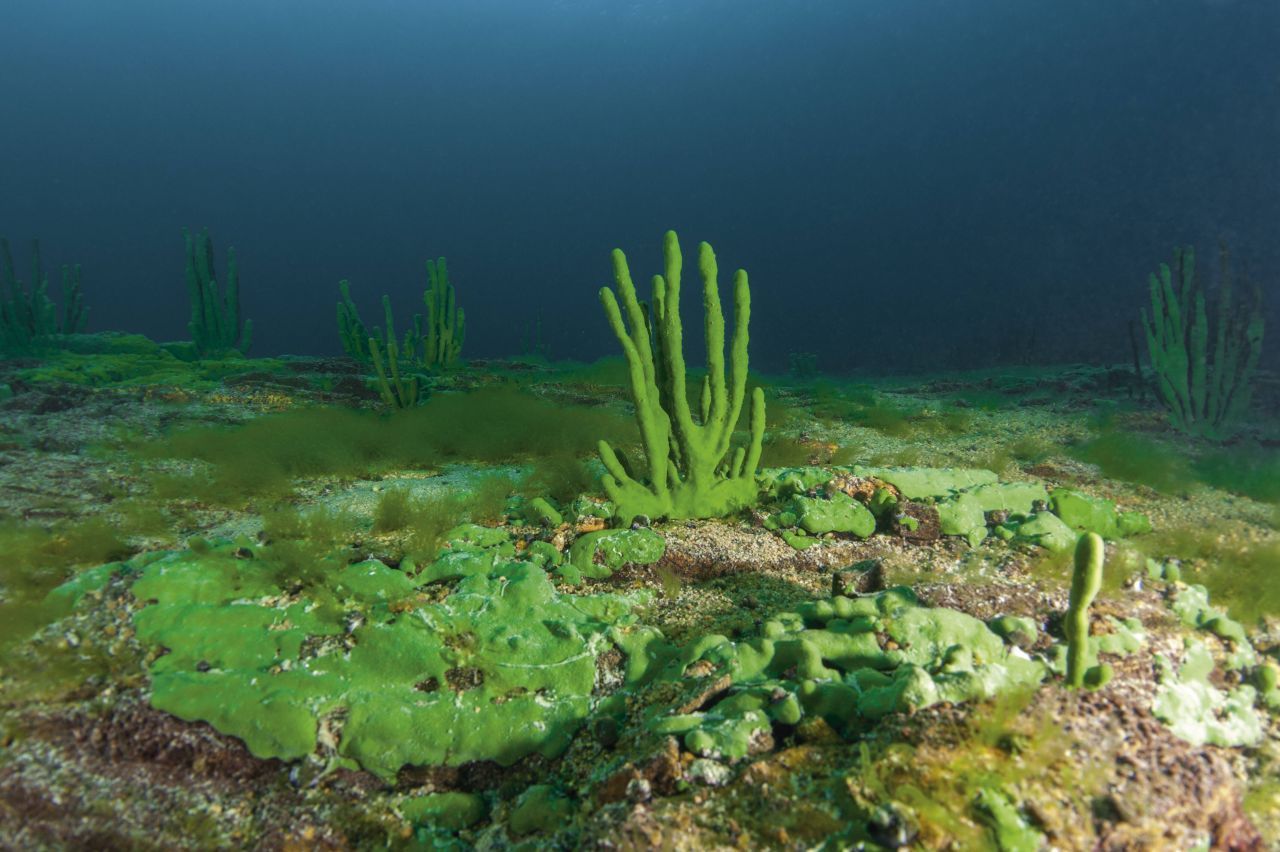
(215, 324)
(1086, 580)
(446, 322)
(690, 473)
(1206, 396)
(29, 319)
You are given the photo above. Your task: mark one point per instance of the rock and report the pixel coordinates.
(1092, 514)
(963, 516)
(860, 578)
(451, 811)
(540, 809)
(840, 514)
(1046, 530)
(916, 522)
(713, 773)
(1015, 630)
(540, 511)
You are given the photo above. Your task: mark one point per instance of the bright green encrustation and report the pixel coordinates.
(29, 319)
(1086, 580)
(215, 325)
(689, 472)
(1206, 391)
(371, 665)
(829, 659)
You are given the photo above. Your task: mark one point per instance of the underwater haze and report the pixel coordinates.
(389, 462)
(911, 184)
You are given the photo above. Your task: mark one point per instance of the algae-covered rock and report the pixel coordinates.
(598, 554)
(963, 516)
(924, 483)
(785, 481)
(540, 511)
(1043, 529)
(541, 808)
(451, 810)
(1093, 514)
(840, 514)
(1014, 497)
(1017, 630)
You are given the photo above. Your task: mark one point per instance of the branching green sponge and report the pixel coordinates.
(435, 345)
(215, 324)
(394, 391)
(690, 474)
(351, 329)
(446, 325)
(28, 317)
(1205, 395)
(1086, 580)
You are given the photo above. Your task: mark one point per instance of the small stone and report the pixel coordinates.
(639, 790)
(713, 773)
(607, 731)
(861, 578)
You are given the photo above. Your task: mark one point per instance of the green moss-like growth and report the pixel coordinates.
(690, 472)
(1207, 390)
(215, 325)
(1138, 458)
(29, 319)
(504, 663)
(264, 457)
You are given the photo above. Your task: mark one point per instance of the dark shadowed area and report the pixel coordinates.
(910, 184)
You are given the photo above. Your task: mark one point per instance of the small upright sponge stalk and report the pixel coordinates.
(690, 472)
(1085, 582)
(215, 323)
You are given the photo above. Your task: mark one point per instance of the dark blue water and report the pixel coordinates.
(910, 183)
